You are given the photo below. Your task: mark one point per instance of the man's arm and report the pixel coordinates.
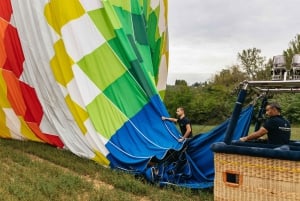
(169, 119)
(257, 134)
(188, 131)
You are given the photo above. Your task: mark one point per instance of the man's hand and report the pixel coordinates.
(163, 118)
(181, 139)
(243, 139)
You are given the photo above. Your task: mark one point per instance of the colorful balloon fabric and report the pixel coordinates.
(87, 76)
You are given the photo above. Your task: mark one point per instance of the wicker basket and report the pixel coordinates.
(242, 177)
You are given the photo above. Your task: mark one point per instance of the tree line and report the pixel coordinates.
(212, 101)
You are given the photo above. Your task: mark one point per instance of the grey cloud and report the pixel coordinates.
(234, 19)
(210, 33)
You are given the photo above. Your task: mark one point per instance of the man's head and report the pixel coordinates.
(273, 109)
(180, 111)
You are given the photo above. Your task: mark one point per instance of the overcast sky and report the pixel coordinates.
(206, 36)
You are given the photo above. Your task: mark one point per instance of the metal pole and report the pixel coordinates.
(260, 114)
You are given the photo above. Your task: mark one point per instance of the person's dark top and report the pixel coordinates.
(279, 130)
(182, 125)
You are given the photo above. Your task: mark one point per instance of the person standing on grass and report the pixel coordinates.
(184, 124)
(276, 127)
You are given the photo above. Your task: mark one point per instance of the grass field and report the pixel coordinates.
(38, 172)
(35, 171)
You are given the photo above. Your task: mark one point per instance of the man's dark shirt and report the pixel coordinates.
(279, 130)
(182, 125)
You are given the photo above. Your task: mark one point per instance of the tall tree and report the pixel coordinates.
(265, 72)
(231, 76)
(180, 82)
(251, 61)
(294, 48)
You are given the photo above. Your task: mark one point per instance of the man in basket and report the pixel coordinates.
(276, 127)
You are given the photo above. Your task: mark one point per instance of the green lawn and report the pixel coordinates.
(36, 171)
(204, 128)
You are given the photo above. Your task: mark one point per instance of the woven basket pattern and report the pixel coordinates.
(258, 178)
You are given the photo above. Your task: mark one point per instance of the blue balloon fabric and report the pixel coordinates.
(193, 166)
